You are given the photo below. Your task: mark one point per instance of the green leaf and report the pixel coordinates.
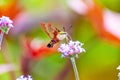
(5, 29)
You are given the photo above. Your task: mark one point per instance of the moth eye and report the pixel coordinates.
(49, 45)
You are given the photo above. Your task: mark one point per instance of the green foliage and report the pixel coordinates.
(113, 5)
(4, 29)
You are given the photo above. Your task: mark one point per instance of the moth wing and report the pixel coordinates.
(46, 27)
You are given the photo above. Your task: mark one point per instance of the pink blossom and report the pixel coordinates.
(5, 23)
(71, 49)
(28, 77)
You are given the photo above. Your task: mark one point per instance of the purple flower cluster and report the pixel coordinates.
(71, 49)
(5, 24)
(28, 77)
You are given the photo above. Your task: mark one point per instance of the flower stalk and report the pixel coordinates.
(1, 38)
(75, 68)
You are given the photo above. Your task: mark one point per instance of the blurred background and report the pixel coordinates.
(96, 23)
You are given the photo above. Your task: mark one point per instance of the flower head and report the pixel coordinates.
(5, 24)
(73, 48)
(28, 77)
(118, 68)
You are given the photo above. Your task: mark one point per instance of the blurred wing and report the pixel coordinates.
(48, 29)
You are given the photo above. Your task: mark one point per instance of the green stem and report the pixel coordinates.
(75, 68)
(1, 38)
(119, 76)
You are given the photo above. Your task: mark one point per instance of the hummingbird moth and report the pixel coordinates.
(54, 33)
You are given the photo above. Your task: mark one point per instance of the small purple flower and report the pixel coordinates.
(5, 24)
(71, 49)
(28, 77)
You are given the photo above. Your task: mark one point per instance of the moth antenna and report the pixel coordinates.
(64, 28)
(69, 27)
